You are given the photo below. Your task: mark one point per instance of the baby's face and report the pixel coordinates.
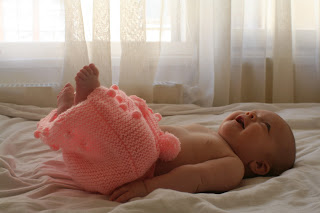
(254, 135)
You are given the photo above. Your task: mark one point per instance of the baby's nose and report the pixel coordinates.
(252, 115)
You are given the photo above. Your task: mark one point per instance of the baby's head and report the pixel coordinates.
(262, 140)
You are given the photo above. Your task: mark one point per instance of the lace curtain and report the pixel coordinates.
(217, 52)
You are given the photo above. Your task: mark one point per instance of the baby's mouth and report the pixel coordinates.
(240, 120)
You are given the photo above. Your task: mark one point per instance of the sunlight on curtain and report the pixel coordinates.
(261, 61)
(306, 38)
(135, 78)
(218, 51)
(31, 52)
(274, 51)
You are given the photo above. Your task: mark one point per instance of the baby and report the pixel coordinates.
(247, 144)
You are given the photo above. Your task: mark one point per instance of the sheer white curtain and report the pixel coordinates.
(127, 61)
(31, 51)
(95, 47)
(249, 50)
(218, 51)
(262, 63)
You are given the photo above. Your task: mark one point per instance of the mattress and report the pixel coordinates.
(33, 178)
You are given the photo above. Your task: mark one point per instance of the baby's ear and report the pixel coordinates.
(259, 167)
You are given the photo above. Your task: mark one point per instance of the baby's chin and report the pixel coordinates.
(223, 132)
(220, 131)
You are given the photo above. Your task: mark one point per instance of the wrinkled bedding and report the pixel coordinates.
(33, 178)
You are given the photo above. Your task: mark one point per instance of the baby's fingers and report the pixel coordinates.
(117, 193)
(124, 197)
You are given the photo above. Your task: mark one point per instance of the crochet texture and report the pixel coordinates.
(108, 140)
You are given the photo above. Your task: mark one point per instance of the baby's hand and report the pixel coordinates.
(128, 191)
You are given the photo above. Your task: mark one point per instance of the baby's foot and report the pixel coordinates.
(65, 98)
(87, 80)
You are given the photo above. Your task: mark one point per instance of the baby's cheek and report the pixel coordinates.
(227, 130)
(255, 131)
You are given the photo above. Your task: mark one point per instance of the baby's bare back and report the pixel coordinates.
(198, 144)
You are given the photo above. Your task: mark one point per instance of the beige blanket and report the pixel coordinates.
(33, 178)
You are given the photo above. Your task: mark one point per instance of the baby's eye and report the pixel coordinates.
(268, 126)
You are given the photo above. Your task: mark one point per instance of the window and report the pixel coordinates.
(32, 20)
(32, 34)
(43, 20)
(31, 48)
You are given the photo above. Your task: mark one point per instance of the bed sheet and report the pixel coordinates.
(33, 178)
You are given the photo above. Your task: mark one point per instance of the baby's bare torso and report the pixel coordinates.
(198, 144)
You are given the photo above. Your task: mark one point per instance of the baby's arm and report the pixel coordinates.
(216, 175)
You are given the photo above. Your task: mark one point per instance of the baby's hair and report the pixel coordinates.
(278, 168)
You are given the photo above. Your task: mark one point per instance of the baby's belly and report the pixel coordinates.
(198, 144)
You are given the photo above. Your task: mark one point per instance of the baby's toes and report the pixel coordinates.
(80, 77)
(94, 69)
(85, 72)
(69, 89)
(88, 70)
(63, 89)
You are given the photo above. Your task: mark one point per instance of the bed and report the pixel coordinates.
(33, 178)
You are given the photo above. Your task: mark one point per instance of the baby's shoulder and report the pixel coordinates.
(197, 128)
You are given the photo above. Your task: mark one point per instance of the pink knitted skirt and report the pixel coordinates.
(108, 140)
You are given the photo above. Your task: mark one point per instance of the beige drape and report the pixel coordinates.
(218, 51)
(233, 51)
(78, 52)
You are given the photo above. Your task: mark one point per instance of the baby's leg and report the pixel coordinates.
(87, 79)
(65, 98)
